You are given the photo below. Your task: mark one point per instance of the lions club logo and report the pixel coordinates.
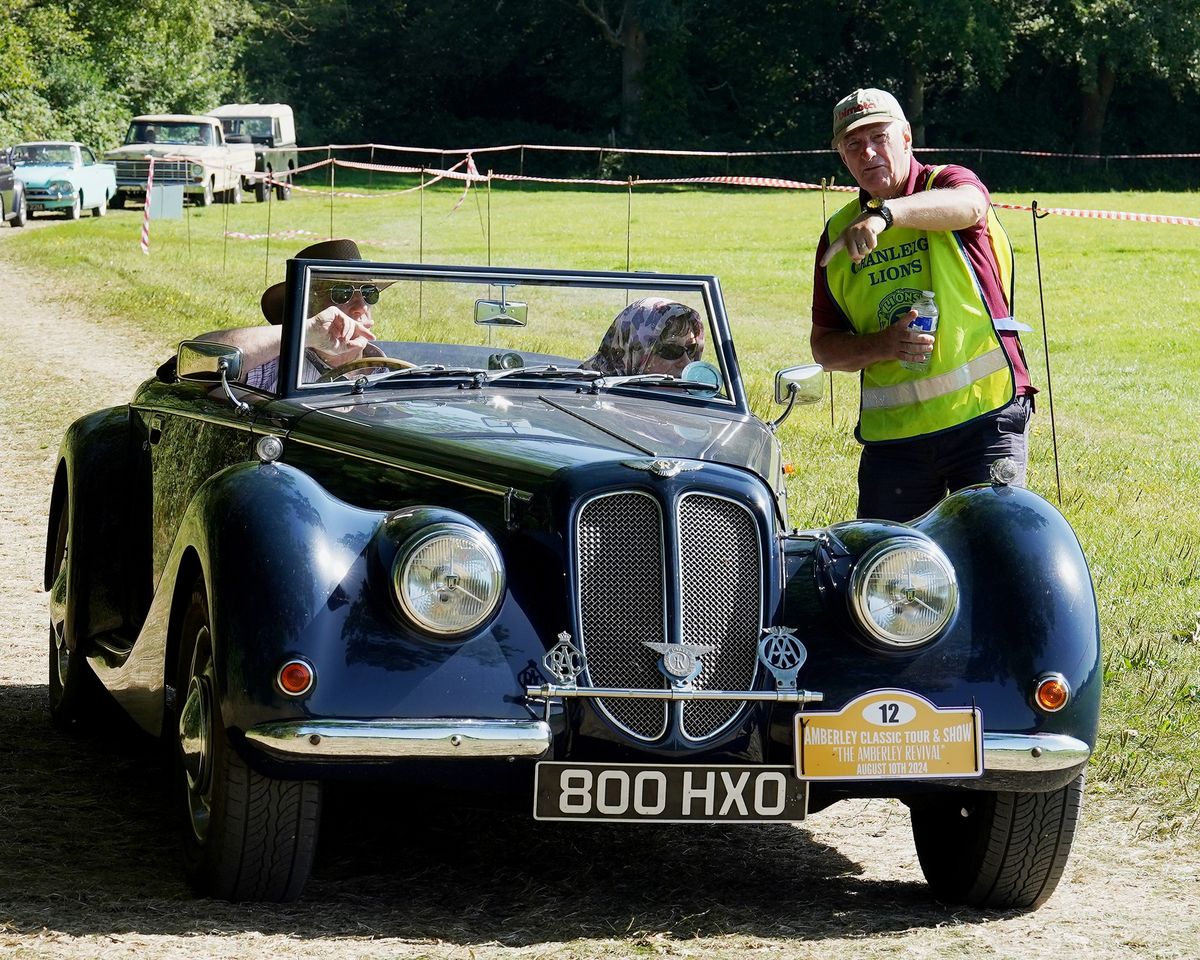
(895, 305)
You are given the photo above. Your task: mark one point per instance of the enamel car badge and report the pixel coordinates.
(564, 661)
(680, 662)
(781, 652)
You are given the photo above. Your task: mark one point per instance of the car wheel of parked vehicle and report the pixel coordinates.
(284, 191)
(76, 209)
(249, 837)
(997, 849)
(22, 213)
(260, 190)
(234, 193)
(101, 208)
(117, 201)
(206, 198)
(75, 692)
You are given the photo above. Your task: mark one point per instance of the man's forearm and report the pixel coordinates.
(953, 208)
(848, 352)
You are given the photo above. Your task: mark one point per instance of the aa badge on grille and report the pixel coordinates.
(563, 661)
(783, 654)
(680, 662)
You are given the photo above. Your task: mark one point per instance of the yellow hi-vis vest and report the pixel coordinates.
(968, 374)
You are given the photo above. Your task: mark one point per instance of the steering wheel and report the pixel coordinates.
(392, 363)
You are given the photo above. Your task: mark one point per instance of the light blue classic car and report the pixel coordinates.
(62, 175)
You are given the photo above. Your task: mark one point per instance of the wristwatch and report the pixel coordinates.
(880, 207)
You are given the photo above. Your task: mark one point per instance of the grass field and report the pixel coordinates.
(1122, 314)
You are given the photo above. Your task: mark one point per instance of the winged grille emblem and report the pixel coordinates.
(662, 467)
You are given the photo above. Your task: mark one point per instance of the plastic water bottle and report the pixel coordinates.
(926, 322)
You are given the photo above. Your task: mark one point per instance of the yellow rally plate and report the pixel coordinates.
(889, 735)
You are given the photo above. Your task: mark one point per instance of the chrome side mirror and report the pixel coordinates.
(207, 361)
(201, 361)
(802, 383)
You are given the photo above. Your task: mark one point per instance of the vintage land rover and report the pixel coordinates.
(271, 127)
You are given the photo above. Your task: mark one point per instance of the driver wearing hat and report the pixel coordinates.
(340, 330)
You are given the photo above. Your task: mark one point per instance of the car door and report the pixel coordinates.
(190, 432)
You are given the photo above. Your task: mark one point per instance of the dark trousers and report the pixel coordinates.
(902, 480)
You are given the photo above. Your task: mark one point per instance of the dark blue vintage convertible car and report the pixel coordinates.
(539, 542)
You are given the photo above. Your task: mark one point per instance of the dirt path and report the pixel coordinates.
(88, 850)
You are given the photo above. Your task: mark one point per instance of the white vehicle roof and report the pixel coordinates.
(252, 110)
(174, 118)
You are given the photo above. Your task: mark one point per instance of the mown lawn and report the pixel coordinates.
(1122, 314)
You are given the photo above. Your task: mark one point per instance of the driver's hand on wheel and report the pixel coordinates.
(333, 331)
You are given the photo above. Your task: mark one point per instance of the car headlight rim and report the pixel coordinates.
(938, 613)
(476, 602)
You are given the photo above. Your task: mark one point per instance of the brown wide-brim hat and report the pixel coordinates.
(339, 249)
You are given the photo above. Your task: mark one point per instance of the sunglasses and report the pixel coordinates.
(341, 293)
(673, 351)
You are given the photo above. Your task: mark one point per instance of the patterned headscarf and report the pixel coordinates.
(642, 332)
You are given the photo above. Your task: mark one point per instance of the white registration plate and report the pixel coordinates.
(695, 793)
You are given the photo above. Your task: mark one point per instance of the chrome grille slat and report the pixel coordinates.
(619, 550)
(720, 577)
(165, 171)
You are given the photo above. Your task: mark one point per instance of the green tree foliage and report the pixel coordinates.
(81, 69)
(1109, 43)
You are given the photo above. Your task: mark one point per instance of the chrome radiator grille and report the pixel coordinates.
(165, 171)
(623, 578)
(720, 579)
(621, 587)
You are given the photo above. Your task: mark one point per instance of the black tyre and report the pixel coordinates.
(234, 193)
(76, 209)
(1004, 850)
(22, 213)
(76, 696)
(117, 201)
(260, 190)
(248, 837)
(284, 191)
(100, 209)
(206, 198)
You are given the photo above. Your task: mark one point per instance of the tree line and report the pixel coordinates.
(1079, 76)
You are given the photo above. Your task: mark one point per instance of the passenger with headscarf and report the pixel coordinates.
(651, 335)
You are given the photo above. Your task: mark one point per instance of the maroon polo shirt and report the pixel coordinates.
(826, 313)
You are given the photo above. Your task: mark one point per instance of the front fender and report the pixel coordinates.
(95, 483)
(1026, 608)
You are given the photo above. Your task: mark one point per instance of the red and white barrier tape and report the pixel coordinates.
(146, 209)
(1107, 215)
(729, 154)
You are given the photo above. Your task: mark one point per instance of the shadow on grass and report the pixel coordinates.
(89, 845)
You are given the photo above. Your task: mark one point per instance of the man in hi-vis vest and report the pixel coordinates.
(936, 410)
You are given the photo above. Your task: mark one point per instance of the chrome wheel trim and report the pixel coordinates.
(58, 602)
(195, 739)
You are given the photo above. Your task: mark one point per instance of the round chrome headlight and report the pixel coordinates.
(903, 591)
(448, 578)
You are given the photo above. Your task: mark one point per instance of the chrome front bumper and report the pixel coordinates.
(484, 739)
(1032, 752)
(395, 739)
